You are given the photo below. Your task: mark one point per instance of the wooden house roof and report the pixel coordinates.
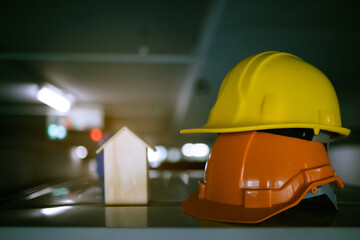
(123, 129)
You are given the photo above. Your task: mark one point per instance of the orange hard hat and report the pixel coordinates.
(251, 176)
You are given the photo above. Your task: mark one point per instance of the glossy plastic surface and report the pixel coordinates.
(252, 176)
(274, 90)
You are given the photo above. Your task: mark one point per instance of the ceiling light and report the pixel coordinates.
(54, 97)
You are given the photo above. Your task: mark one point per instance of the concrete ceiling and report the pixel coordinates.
(156, 66)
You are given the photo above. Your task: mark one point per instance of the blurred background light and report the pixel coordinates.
(96, 134)
(60, 192)
(52, 131)
(92, 168)
(200, 150)
(197, 150)
(55, 131)
(61, 132)
(174, 155)
(187, 149)
(86, 117)
(54, 97)
(79, 152)
(39, 193)
(54, 210)
(345, 159)
(156, 158)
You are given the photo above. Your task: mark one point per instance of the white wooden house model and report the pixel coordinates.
(125, 168)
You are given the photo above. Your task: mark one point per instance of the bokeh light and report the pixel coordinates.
(187, 149)
(81, 152)
(197, 150)
(155, 158)
(174, 155)
(96, 134)
(78, 153)
(55, 131)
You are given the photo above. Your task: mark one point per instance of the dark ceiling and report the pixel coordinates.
(156, 66)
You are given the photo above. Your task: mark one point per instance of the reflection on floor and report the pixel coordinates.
(79, 202)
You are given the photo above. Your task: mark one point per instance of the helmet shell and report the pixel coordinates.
(251, 176)
(274, 90)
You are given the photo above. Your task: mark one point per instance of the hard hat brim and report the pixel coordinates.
(209, 210)
(339, 132)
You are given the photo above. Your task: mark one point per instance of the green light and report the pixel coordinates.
(55, 131)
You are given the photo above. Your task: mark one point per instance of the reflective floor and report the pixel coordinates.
(79, 203)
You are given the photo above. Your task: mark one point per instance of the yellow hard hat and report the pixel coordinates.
(274, 90)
